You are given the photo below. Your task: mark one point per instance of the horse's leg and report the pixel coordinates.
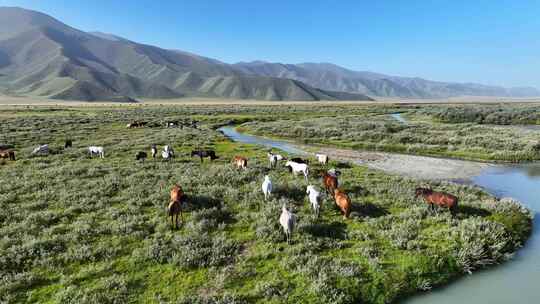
(172, 222)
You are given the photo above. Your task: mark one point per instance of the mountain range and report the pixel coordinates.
(41, 56)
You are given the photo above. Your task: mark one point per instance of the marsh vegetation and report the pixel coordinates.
(77, 229)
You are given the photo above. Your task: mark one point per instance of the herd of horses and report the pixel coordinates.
(295, 165)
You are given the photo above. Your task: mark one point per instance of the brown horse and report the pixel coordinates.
(343, 202)
(7, 154)
(175, 206)
(330, 182)
(441, 199)
(240, 162)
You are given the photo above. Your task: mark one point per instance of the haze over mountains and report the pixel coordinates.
(40, 56)
(328, 76)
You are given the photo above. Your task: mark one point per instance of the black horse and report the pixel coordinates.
(141, 156)
(68, 144)
(204, 153)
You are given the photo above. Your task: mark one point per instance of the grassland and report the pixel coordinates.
(81, 230)
(469, 132)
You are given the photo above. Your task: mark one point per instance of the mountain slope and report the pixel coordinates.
(332, 77)
(41, 56)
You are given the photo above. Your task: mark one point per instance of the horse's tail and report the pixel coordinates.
(454, 206)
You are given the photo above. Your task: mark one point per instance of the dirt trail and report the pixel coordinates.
(409, 165)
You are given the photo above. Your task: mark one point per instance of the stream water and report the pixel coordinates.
(515, 281)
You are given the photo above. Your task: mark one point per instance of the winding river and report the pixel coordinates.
(517, 281)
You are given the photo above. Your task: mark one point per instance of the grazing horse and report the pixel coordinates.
(322, 158)
(96, 150)
(41, 149)
(287, 220)
(175, 206)
(141, 156)
(343, 202)
(314, 199)
(240, 162)
(136, 124)
(172, 123)
(330, 182)
(204, 153)
(273, 160)
(10, 154)
(441, 199)
(153, 150)
(297, 168)
(68, 144)
(167, 152)
(267, 187)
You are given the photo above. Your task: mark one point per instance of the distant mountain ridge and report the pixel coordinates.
(40, 56)
(328, 76)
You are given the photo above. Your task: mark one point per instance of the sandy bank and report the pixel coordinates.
(408, 165)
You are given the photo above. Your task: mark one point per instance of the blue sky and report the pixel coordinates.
(491, 42)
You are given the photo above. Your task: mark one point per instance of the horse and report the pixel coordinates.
(9, 154)
(330, 182)
(298, 167)
(172, 123)
(175, 206)
(441, 199)
(41, 149)
(287, 220)
(343, 201)
(314, 199)
(167, 152)
(68, 144)
(204, 153)
(267, 187)
(240, 162)
(153, 150)
(272, 159)
(322, 158)
(141, 156)
(136, 124)
(96, 150)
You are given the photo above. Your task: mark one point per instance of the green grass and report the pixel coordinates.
(82, 230)
(424, 134)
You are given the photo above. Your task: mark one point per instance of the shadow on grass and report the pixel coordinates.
(334, 230)
(293, 193)
(472, 211)
(369, 210)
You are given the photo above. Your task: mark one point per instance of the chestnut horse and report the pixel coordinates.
(441, 199)
(7, 154)
(330, 182)
(240, 162)
(343, 202)
(175, 206)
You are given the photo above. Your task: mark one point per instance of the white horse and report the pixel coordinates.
(154, 151)
(167, 152)
(297, 168)
(322, 158)
(273, 160)
(96, 150)
(314, 199)
(287, 220)
(41, 149)
(267, 187)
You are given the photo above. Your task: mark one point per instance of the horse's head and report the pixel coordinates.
(421, 191)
